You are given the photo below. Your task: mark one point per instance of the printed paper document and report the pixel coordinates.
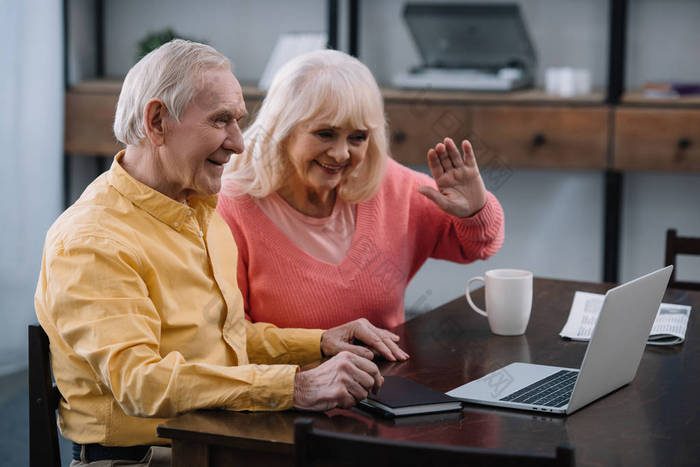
(668, 329)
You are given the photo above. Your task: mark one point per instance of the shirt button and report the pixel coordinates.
(272, 405)
(201, 234)
(176, 224)
(189, 212)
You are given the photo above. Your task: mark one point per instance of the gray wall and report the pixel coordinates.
(31, 136)
(243, 30)
(663, 41)
(554, 219)
(82, 38)
(662, 35)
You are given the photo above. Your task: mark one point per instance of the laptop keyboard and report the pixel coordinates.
(552, 391)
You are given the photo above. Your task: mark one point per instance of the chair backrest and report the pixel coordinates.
(676, 245)
(43, 402)
(320, 447)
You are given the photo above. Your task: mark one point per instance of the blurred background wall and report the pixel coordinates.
(31, 141)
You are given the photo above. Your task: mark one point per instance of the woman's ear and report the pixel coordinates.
(154, 117)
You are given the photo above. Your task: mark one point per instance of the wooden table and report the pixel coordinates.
(652, 421)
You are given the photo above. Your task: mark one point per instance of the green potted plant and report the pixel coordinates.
(155, 39)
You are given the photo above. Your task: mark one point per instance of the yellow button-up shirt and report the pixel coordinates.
(138, 296)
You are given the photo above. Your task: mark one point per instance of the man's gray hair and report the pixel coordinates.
(170, 73)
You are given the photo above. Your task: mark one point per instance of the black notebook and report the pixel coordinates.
(400, 396)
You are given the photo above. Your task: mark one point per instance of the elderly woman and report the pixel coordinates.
(330, 228)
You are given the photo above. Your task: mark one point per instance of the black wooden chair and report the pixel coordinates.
(319, 447)
(43, 402)
(675, 246)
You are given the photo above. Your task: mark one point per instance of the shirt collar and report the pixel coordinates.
(163, 208)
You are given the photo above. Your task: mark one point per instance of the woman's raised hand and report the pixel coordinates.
(460, 189)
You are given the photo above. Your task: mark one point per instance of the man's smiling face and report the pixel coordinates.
(197, 147)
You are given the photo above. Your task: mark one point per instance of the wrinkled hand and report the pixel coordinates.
(378, 341)
(461, 190)
(342, 381)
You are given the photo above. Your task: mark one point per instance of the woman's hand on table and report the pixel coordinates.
(376, 341)
(460, 189)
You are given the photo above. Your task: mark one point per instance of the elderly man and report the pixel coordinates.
(138, 294)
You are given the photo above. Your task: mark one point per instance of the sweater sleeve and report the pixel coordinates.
(226, 209)
(447, 237)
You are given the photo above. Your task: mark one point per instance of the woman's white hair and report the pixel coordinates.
(170, 73)
(325, 84)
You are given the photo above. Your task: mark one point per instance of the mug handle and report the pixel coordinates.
(469, 298)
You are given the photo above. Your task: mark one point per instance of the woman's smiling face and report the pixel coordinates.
(322, 156)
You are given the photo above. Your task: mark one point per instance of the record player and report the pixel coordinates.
(469, 47)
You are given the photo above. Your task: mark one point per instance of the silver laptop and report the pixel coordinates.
(611, 360)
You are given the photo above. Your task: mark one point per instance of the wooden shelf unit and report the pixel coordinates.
(89, 116)
(637, 98)
(522, 129)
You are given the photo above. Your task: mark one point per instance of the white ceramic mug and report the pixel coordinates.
(508, 300)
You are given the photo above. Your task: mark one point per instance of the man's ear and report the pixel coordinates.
(154, 117)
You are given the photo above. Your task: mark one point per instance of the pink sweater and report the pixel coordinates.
(396, 231)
